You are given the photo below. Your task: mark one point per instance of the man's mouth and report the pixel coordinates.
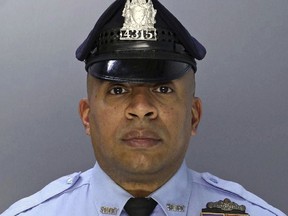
(141, 139)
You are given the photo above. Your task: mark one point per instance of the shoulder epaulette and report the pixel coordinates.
(51, 190)
(240, 191)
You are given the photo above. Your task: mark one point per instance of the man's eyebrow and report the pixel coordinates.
(134, 84)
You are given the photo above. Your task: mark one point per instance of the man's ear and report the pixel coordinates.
(196, 114)
(84, 109)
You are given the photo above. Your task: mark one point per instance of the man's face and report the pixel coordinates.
(140, 132)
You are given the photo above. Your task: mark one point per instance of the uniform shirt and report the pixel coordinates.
(93, 193)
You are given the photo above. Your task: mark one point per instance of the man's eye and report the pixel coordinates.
(117, 90)
(164, 89)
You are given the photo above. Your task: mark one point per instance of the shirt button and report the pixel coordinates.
(69, 181)
(213, 180)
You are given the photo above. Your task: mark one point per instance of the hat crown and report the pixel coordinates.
(113, 19)
(139, 29)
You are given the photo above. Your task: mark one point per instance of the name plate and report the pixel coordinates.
(221, 214)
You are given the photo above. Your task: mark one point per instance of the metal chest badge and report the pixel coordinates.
(139, 19)
(224, 208)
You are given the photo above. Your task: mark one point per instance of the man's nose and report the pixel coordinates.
(141, 105)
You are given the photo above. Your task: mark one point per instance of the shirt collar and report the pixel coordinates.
(107, 194)
(111, 197)
(173, 197)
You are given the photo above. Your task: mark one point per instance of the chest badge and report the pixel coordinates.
(139, 19)
(224, 208)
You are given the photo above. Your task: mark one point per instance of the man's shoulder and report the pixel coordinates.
(54, 190)
(215, 187)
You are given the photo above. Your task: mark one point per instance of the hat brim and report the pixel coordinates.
(138, 70)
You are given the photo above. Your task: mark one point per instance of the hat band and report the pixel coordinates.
(109, 41)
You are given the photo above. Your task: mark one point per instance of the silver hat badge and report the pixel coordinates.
(139, 19)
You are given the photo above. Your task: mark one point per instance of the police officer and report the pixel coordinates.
(140, 113)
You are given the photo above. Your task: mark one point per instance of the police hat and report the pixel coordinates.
(139, 41)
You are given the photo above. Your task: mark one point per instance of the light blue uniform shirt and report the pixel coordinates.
(93, 193)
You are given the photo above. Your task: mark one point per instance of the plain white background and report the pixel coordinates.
(242, 82)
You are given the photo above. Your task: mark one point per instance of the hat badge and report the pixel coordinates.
(139, 19)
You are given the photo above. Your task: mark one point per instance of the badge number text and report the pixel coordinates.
(138, 35)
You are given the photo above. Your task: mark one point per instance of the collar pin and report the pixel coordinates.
(175, 208)
(108, 210)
